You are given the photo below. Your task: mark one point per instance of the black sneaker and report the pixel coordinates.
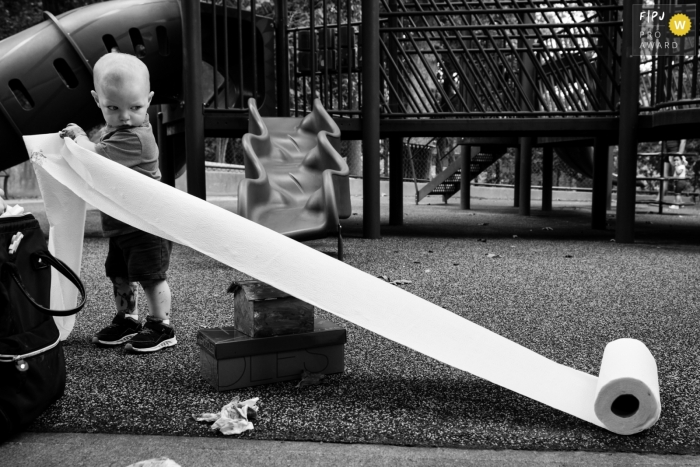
(121, 330)
(154, 336)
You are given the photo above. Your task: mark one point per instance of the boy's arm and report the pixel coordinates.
(78, 135)
(84, 141)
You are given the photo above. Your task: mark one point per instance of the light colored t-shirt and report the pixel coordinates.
(134, 147)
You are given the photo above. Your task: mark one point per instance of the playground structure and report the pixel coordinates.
(515, 73)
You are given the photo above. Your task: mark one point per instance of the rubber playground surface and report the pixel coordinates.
(556, 287)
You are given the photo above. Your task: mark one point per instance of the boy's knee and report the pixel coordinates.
(150, 283)
(122, 283)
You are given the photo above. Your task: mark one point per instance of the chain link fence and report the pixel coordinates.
(223, 150)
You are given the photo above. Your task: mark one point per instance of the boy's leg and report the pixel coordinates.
(157, 332)
(148, 258)
(125, 325)
(159, 299)
(125, 297)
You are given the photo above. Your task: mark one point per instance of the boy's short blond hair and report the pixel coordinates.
(115, 68)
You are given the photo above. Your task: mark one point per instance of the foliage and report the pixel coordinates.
(18, 15)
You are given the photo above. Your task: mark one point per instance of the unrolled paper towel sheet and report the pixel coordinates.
(300, 271)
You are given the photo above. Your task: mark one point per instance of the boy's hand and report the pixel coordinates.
(72, 131)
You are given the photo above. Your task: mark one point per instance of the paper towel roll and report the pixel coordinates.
(627, 397)
(82, 176)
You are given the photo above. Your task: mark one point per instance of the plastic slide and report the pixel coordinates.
(296, 181)
(46, 70)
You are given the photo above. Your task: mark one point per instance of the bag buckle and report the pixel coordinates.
(38, 262)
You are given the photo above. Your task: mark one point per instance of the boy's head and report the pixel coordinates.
(122, 89)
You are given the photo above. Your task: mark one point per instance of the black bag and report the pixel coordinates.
(32, 365)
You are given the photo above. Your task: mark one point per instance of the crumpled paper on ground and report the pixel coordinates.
(158, 462)
(234, 417)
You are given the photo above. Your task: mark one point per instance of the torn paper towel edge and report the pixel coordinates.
(65, 212)
(308, 275)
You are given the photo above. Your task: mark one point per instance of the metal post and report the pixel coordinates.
(370, 118)
(516, 180)
(282, 47)
(395, 143)
(611, 169)
(524, 159)
(525, 175)
(600, 184)
(165, 157)
(465, 182)
(547, 168)
(627, 153)
(396, 181)
(194, 113)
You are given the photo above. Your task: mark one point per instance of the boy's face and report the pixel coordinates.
(676, 161)
(125, 105)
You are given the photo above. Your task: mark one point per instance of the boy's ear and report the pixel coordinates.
(150, 96)
(97, 99)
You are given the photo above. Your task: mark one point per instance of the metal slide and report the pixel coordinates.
(296, 181)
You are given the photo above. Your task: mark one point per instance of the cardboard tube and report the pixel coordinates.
(627, 397)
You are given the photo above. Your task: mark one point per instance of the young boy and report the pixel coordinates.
(680, 184)
(123, 94)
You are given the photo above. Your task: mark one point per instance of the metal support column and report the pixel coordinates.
(166, 158)
(465, 182)
(370, 118)
(282, 48)
(547, 169)
(611, 169)
(194, 112)
(395, 143)
(396, 181)
(627, 152)
(516, 180)
(601, 177)
(525, 175)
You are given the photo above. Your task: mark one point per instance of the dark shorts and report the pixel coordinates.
(680, 186)
(138, 256)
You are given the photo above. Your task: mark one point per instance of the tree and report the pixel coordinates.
(18, 15)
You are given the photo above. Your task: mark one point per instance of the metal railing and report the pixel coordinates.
(233, 63)
(500, 57)
(668, 82)
(444, 58)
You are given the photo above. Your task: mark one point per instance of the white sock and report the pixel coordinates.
(166, 321)
(134, 316)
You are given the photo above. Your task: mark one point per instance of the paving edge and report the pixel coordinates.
(72, 449)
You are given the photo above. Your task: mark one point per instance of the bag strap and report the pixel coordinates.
(61, 267)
